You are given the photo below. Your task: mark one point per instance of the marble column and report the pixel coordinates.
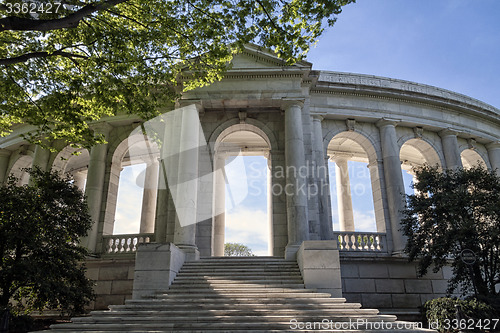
(344, 198)
(41, 158)
(295, 189)
(270, 246)
(494, 156)
(219, 205)
(4, 165)
(79, 178)
(95, 185)
(321, 174)
(149, 198)
(394, 184)
(168, 166)
(450, 149)
(187, 183)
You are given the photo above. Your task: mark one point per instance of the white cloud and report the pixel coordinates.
(129, 201)
(364, 221)
(248, 227)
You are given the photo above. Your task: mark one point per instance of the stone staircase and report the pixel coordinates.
(237, 294)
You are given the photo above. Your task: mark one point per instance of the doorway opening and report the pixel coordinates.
(242, 212)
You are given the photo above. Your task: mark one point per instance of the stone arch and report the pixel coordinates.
(365, 140)
(410, 147)
(77, 165)
(22, 162)
(62, 159)
(260, 142)
(251, 125)
(119, 149)
(364, 145)
(471, 157)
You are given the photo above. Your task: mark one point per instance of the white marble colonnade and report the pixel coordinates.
(149, 194)
(344, 197)
(296, 199)
(95, 185)
(219, 204)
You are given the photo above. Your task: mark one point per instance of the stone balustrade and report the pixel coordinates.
(361, 241)
(113, 244)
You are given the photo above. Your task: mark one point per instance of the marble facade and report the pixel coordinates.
(299, 119)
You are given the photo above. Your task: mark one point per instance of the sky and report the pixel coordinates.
(451, 44)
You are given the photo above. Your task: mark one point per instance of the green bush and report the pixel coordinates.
(440, 309)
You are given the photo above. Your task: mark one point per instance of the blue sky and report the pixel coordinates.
(451, 44)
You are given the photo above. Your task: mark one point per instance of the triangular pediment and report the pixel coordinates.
(254, 56)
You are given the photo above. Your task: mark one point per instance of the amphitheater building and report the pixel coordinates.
(303, 121)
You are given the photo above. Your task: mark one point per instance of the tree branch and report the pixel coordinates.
(267, 14)
(15, 23)
(28, 56)
(126, 17)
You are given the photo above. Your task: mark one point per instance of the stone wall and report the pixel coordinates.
(389, 284)
(114, 278)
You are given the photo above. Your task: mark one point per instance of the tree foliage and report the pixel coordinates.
(451, 212)
(97, 58)
(40, 226)
(237, 250)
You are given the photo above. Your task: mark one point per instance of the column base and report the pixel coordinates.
(191, 252)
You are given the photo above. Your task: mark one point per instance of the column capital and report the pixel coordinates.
(318, 117)
(387, 122)
(186, 102)
(101, 128)
(448, 132)
(341, 156)
(289, 102)
(276, 153)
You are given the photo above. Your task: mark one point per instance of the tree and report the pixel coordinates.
(451, 212)
(237, 250)
(40, 225)
(89, 59)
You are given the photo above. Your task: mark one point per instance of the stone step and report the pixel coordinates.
(238, 295)
(229, 327)
(255, 318)
(235, 286)
(251, 294)
(161, 305)
(296, 313)
(237, 301)
(236, 330)
(202, 280)
(238, 273)
(236, 264)
(240, 262)
(235, 290)
(264, 259)
(233, 269)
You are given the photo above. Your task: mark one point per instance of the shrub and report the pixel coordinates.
(441, 309)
